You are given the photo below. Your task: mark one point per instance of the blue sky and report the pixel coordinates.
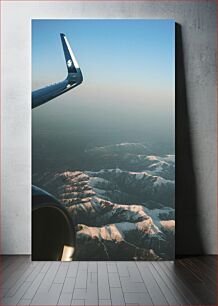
(128, 69)
(108, 51)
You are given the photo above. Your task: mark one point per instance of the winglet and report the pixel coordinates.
(71, 62)
(73, 79)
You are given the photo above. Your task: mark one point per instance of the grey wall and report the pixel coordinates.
(196, 112)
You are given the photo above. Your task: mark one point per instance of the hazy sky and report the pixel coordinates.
(128, 68)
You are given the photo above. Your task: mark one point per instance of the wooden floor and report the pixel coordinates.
(188, 281)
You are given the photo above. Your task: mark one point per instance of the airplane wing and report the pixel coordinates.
(73, 79)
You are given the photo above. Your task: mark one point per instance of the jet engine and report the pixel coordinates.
(53, 233)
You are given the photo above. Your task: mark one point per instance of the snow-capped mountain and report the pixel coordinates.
(127, 186)
(120, 213)
(132, 157)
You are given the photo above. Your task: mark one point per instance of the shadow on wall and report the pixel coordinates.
(188, 228)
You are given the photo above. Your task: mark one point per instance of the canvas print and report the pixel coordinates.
(103, 139)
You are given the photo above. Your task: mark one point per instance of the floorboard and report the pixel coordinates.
(187, 281)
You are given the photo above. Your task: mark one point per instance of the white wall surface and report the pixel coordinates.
(198, 22)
